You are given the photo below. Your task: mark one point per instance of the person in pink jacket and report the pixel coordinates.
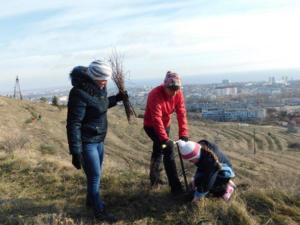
(161, 103)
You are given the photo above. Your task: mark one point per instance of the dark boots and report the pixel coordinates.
(105, 216)
(171, 171)
(155, 169)
(170, 168)
(174, 182)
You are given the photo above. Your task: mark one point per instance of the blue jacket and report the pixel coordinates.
(208, 176)
(87, 108)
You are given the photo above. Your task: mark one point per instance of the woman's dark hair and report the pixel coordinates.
(220, 185)
(207, 146)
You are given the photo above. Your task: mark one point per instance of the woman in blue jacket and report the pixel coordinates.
(87, 127)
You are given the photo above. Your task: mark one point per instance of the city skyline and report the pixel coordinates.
(236, 78)
(42, 41)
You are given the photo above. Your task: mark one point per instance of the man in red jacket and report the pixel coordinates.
(161, 103)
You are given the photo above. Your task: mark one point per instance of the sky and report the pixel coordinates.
(41, 41)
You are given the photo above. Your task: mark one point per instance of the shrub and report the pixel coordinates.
(295, 145)
(43, 99)
(13, 143)
(55, 101)
(48, 149)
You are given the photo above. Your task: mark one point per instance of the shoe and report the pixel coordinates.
(88, 204)
(177, 191)
(188, 196)
(154, 172)
(232, 184)
(229, 190)
(157, 185)
(105, 216)
(161, 182)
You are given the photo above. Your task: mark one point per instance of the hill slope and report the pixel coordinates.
(38, 184)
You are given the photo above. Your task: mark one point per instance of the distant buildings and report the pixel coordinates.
(226, 91)
(292, 127)
(225, 82)
(226, 101)
(284, 80)
(269, 90)
(234, 114)
(291, 101)
(271, 80)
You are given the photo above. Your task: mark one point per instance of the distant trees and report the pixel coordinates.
(54, 101)
(43, 99)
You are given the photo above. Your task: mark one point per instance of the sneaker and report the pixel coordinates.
(105, 216)
(232, 184)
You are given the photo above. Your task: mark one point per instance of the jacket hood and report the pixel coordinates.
(79, 76)
(80, 79)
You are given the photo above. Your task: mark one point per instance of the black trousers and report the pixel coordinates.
(168, 160)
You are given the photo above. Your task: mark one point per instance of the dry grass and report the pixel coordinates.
(38, 184)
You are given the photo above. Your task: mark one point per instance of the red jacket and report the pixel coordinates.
(159, 110)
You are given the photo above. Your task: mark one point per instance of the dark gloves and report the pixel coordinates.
(76, 161)
(167, 144)
(184, 138)
(121, 96)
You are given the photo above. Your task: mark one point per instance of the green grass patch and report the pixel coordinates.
(48, 149)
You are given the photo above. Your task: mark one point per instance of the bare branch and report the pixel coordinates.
(118, 76)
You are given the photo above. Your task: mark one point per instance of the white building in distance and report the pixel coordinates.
(226, 91)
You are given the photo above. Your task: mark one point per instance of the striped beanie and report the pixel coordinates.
(99, 70)
(172, 80)
(189, 150)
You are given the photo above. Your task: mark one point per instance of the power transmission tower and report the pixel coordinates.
(17, 90)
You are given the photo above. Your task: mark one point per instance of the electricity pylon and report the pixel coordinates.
(17, 90)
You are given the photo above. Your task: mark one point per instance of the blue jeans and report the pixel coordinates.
(92, 155)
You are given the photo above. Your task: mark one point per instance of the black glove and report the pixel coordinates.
(184, 138)
(76, 161)
(167, 144)
(121, 96)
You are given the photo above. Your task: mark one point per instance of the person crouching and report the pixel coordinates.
(214, 169)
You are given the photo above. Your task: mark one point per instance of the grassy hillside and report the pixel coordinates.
(38, 184)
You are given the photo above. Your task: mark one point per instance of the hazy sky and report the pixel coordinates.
(41, 41)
